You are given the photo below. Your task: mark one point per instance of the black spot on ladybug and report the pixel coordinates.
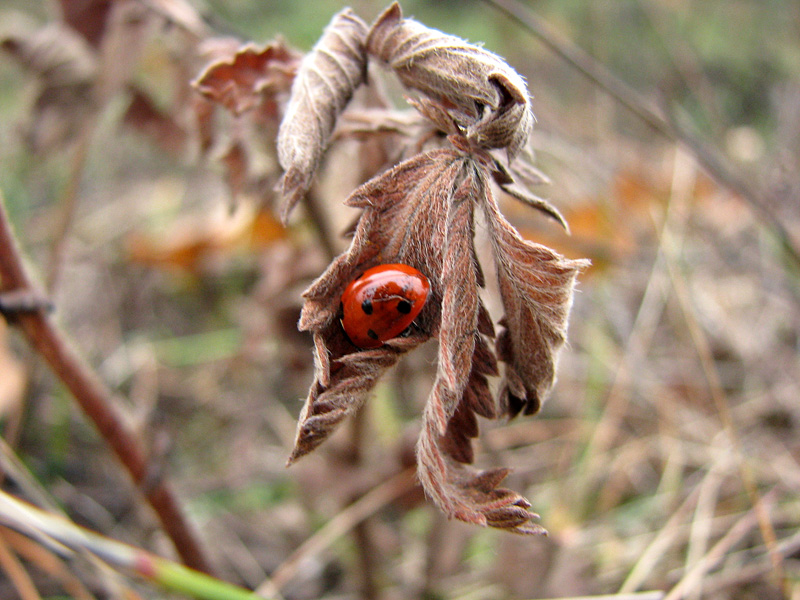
(372, 334)
(366, 306)
(404, 307)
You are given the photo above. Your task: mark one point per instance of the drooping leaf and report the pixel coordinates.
(536, 289)
(345, 377)
(459, 283)
(461, 492)
(327, 79)
(399, 206)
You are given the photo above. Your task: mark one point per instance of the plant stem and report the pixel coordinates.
(61, 533)
(96, 401)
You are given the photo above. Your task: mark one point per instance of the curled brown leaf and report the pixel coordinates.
(415, 194)
(484, 95)
(412, 193)
(342, 384)
(325, 82)
(241, 82)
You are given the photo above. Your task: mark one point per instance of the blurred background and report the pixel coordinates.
(667, 458)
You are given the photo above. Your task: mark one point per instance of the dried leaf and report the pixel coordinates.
(65, 66)
(242, 81)
(484, 96)
(477, 400)
(421, 213)
(473, 497)
(88, 17)
(327, 79)
(55, 53)
(415, 194)
(540, 204)
(163, 128)
(344, 380)
(536, 289)
(461, 388)
(459, 320)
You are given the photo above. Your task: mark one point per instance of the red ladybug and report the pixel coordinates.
(382, 302)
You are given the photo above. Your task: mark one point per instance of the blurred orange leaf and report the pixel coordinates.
(196, 242)
(608, 227)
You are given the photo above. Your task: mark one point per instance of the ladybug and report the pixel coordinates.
(382, 302)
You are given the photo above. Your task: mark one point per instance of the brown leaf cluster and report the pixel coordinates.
(422, 212)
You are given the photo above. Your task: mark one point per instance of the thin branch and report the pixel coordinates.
(709, 158)
(96, 401)
(68, 204)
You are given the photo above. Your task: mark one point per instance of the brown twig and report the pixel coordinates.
(709, 159)
(96, 401)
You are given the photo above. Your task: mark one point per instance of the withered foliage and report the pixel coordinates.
(422, 212)
(465, 138)
(253, 75)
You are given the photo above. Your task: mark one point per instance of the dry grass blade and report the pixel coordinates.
(656, 549)
(48, 562)
(16, 572)
(740, 529)
(344, 521)
(721, 403)
(654, 595)
(26, 518)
